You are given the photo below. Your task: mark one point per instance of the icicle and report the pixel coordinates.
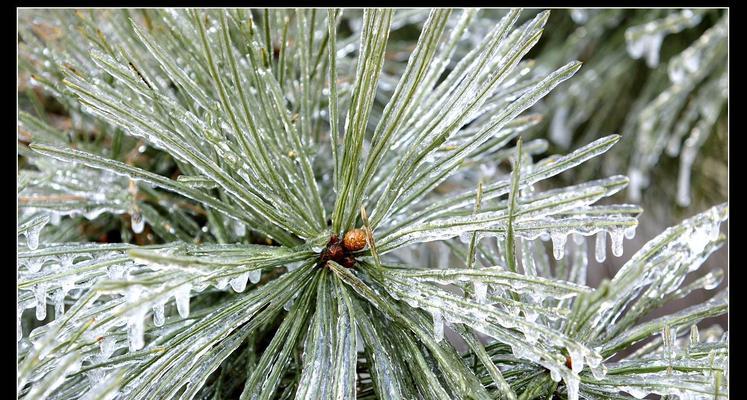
(35, 265)
(617, 242)
(181, 295)
(93, 214)
(288, 305)
(40, 292)
(135, 330)
(239, 229)
(222, 283)
(19, 328)
(481, 292)
(715, 226)
(577, 360)
(438, 325)
(637, 182)
(158, 314)
(32, 236)
(571, 384)
(137, 221)
(239, 283)
(466, 237)
(640, 44)
(59, 303)
(54, 218)
(107, 346)
(711, 281)
(554, 373)
(667, 337)
(694, 336)
(683, 178)
(630, 233)
(560, 133)
(600, 250)
(599, 371)
(558, 244)
(256, 274)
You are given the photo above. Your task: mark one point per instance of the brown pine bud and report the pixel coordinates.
(354, 240)
(348, 262)
(336, 251)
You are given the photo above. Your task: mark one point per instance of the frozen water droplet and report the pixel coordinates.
(59, 303)
(35, 265)
(600, 250)
(599, 371)
(694, 335)
(630, 233)
(158, 314)
(481, 292)
(637, 182)
(116, 272)
(255, 275)
(466, 237)
(438, 325)
(135, 331)
(555, 375)
(560, 133)
(93, 214)
(616, 237)
(137, 221)
(558, 244)
(239, 283)
(239, 229)
(571, 383)
(181, 295)
(32, 237)
(222, 283)
(40, 293)
(54, 218)
(107, 346)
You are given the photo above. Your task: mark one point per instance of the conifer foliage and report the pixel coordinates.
(230, 204)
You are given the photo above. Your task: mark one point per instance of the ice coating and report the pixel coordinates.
(492, 322)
